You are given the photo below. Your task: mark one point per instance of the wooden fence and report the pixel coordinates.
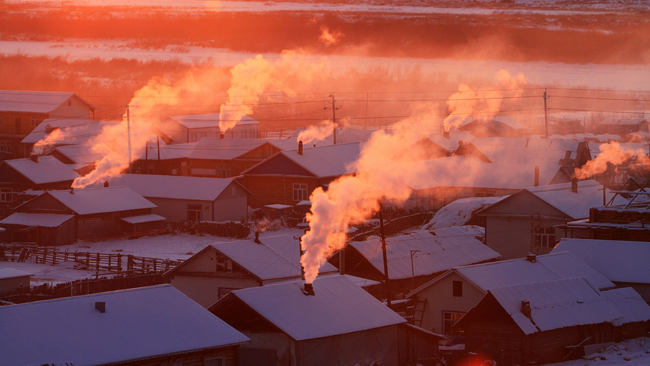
(101, 263)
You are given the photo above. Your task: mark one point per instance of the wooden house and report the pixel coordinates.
(525, 222)
(218, 269)
(36, 173)
(192, 128)
(337, 323)
(545, 322)
(22, 111)
(99, 213)
(40, 228)
(446, 298)
(415, 258)
(154, 325)
(181, 199)
(289, 177)
(162, 159)
(62, 132)
(622, 126)
(12, 280)
(625, 263)
(224, 158)
(612, 222)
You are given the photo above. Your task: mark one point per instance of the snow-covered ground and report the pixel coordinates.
(625, 77)
(47, 273)
(634, 352)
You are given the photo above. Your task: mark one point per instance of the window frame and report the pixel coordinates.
(6, 195)
(193, 208)
(300, 192)
(447, 328)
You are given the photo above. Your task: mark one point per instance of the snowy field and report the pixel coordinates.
(628, 77)
(635, 352)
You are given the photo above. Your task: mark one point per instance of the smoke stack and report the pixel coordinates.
(531, 257)
(309, 289)
(50, 129)
(71, 190)
(257, 237)
(222, 135)
(34, 158)
(445, 134)
(342, 261)
(574, 185)
(299, 147)
(537, 176)
(525, 308)
(106, 184)
(100, 306)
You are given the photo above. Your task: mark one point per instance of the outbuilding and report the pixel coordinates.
(12, 279)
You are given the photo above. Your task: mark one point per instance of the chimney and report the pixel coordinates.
(342, 261)
(299, 147)
(574, 185)
(531, 257)
(71, 190)
(525, 308)
(257, 237)
(445, 134)
(100, 306)
(34, 158)
(537, 176)
(50, 129)
(222, 135)
(106, 184)
(309, 289)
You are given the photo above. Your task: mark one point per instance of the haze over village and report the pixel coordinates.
(325, 182)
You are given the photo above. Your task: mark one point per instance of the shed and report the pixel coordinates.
(340, 324)
(12, 279)
(41, 228)
(449, 296)
(190, 198)
(142, 326)
(623, 262)
(544, 322)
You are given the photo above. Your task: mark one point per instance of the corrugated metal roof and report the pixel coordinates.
(208, 120)
(6, 273)
(338, 307)
(556, 304)
(436, 253)
(214, 148)
(36, 219)
(327, 161)
(80, 154)
(48, 169)
(630, 303)
(174, 187)
(142, 218)
(548, 267)
(138, 323)
(99, 200)
(74, 131)
(34, 101)
(619, 261)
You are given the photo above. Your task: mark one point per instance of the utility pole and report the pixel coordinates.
(383, 249)
(128, 131)
(334, 109)
(412, 268)
(545, 113)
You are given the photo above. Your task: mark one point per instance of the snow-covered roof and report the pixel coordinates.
(556, 304)
(343, 136)
(138, 323)
(142, 218)
(338, 307)
(6, 273)
(100, 200)
(623, 121)
(80, 154)
(575, 205)
(450, 144)
(549, 267)
(259, 260)
(47, 170)
(327, 161)
(436, 253)
(214, 148)
(288, 246)
(73, 131)
(630, 303)
(168, 152)
(174, 187)
(34, 101)
(459, 212)
(496, 122)
(278, 206)
(36, 219)
(208, 120)
(468, 171)
(619, 261)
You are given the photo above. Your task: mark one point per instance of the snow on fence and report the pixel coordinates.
(98, 262)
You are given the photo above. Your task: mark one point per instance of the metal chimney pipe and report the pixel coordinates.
(537, 176)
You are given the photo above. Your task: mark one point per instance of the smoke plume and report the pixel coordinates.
(330, 38)
(316, 133)
(612, 153)
(483, 104)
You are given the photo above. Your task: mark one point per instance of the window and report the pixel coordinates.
(544, 237)
(213, 361)
(457, 288)
(6, 195)
(194, 212)
(5, 146)
(449, 319)
(300, 192)
(34, 121)
(223, 171)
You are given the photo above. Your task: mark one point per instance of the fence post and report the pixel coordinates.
(54, 256)
(97, 267)
(144, 264)
(155, 261)
(88, 261)
(110, 256)
(129, 262)
(119, 262)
